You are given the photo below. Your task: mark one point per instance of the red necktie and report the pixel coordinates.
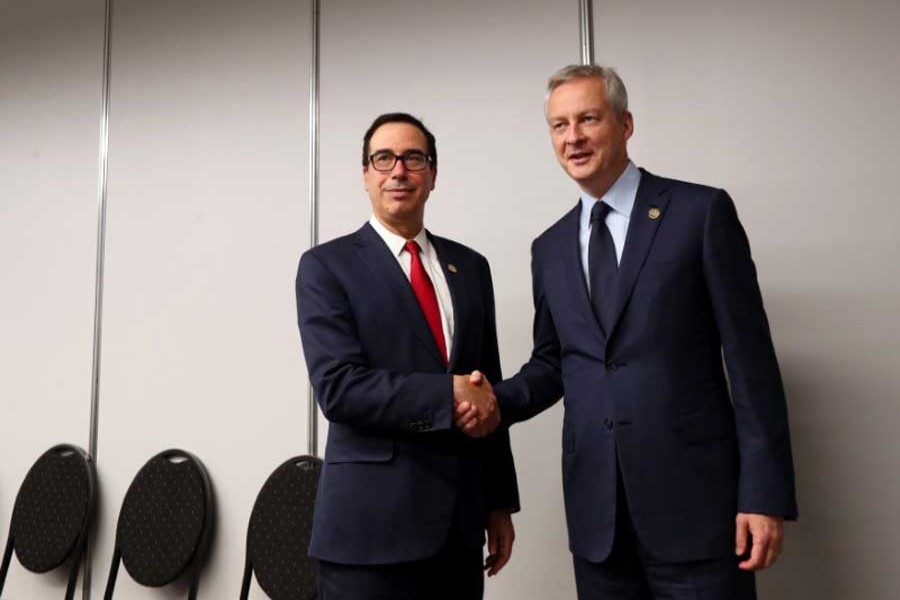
(424, 291)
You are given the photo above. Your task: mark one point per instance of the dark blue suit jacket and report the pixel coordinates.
(652, 392)
(397, 474)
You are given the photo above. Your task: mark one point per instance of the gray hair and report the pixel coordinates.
(616, 94)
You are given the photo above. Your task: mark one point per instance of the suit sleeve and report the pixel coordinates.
(500, 483)
(348, 389)
(538, 384)
(766, 484)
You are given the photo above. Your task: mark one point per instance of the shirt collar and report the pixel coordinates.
(396, 242)
(620, 196)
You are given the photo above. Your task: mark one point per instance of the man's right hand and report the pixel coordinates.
(475, 407)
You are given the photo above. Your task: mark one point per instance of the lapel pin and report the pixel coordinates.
(452, 268)
(654, 212)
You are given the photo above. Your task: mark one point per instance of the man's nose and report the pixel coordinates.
(574, 135)
(399, 169)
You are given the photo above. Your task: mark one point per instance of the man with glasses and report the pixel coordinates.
(391, 318)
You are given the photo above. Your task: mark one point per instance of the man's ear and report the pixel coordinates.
(628, 123)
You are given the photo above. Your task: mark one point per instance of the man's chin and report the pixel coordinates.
(583, 176)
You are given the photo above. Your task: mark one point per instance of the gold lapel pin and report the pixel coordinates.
(654, 212)
(451, 267)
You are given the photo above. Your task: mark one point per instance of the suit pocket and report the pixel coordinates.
(705, 426)
(359, 450)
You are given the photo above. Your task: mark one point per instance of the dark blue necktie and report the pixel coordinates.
(602, 265)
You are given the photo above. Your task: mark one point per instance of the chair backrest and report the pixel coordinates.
(279, 532)
(165, 523)
(52, 513)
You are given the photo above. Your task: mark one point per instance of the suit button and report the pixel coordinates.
(612, 366)
(608, 423)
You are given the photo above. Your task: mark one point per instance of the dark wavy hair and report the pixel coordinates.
(399, 118)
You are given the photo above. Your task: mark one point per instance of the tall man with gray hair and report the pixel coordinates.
(676, 478)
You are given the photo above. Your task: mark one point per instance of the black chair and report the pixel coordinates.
(52, 514)
(279, 531)
(165, 524)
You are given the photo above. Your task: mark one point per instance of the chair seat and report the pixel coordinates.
(51, 510)
(162, 521)
(279, 531)
(52, 514)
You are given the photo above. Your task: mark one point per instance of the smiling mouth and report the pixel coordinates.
(578, 156)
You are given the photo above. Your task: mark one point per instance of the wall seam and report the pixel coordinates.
(313, 413)
(586, 31)
(103, 176)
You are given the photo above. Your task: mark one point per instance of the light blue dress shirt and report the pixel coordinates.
(620, 197)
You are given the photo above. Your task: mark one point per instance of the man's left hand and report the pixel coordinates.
(766, 533)
(500, 534)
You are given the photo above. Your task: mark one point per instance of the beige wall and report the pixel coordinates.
(49, 131)
(791, 108)
(207, 215)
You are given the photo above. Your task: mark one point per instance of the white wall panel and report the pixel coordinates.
(791, 107)
(207, 218)
(475, 73)
(50, 57)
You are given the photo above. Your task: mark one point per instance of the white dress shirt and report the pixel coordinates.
(432, 266)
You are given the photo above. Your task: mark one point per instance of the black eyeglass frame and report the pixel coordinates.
(402, 158)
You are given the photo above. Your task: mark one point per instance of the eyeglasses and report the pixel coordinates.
(385, 161)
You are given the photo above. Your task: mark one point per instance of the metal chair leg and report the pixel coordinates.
(113, 573)
(7, 557)
(245, 586)
(77, 559)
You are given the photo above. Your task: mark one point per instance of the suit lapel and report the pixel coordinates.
(641, 231)
(459, 292)
(372, 251)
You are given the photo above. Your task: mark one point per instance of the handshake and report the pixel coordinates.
(474, 405)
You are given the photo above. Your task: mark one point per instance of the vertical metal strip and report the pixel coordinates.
(98, 281)
(313, 417)
(586, 31)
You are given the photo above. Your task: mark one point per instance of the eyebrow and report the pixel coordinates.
(402, 152)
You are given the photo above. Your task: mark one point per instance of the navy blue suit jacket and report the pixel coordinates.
(651, 392)
(397, 475)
